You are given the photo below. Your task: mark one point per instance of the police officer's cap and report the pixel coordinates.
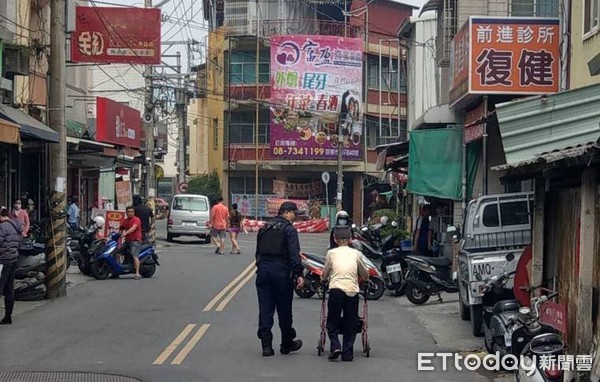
(290, 206)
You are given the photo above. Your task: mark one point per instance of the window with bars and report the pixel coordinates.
(590, 17)
(534, 8)
(389, 131)
(241, 128)
(243, 68)
(389, 74)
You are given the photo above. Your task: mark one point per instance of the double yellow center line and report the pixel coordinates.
(224, 297)
(236, 285)
(178, 341)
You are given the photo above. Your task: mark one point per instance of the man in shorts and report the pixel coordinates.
(131, 229)
(219, 222)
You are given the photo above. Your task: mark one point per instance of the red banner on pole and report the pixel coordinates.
(116, 35)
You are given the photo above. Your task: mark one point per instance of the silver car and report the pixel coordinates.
(188, 216)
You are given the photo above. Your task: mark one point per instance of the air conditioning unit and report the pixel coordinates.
(16, 60)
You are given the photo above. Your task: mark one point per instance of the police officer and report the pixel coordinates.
(341, 219)
(278, 268)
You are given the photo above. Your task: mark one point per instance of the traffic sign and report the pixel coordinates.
(325, 177)
(182, 187)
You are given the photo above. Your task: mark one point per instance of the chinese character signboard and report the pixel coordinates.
(113, 221)
(116, 35)
(460, 64)
(117, 123)
(316, 85)
(507, 56)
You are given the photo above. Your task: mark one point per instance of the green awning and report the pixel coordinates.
(535, 126)
(435, 163)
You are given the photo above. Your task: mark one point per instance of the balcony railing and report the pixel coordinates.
(306, 27)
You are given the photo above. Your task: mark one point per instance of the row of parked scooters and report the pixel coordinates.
(391, 267)
(93, 255)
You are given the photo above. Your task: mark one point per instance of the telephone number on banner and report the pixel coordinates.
(313, 152)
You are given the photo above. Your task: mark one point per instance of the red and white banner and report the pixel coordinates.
(116, 35)
(308, 226)
(117, 123)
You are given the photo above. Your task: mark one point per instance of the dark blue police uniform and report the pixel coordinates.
(278, 266)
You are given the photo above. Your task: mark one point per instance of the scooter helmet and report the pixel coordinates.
(99, 220)
(342, 218)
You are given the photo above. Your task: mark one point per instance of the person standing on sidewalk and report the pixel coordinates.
(278, 268)
(343, 268)
(10, 241)
(219, 222)
(21, 215)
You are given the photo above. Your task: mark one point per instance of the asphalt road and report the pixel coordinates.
(185, 324)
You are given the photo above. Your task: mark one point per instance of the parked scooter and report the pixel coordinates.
(84, 243)
(313, 269)
(104, 263)
(532, 339)
(499, 305)
(394, 269)
(428, 276)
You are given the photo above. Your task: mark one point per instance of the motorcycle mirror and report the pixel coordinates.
(510, 257)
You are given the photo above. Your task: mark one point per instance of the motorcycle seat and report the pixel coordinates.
(435, 261)
(546, 343)
(145, 246)
(506, 306)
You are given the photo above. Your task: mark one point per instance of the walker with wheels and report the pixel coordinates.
(362, 327)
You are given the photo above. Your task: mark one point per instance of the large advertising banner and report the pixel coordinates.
(116, 35)
(316, 85)
(117, 123)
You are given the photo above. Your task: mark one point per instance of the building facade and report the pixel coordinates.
(239, 102)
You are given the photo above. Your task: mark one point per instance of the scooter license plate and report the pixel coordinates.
(507, 339)
(393, 268)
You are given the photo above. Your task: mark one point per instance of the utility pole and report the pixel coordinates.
(181, 105)
(56, 229)
(340, 162)
(150, 184)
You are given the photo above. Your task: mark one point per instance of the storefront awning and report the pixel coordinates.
(29, 126)
(9, 132)
(534, 126)
(436, 163)
(389, 150)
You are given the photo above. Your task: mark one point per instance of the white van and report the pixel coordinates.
(188, 216)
